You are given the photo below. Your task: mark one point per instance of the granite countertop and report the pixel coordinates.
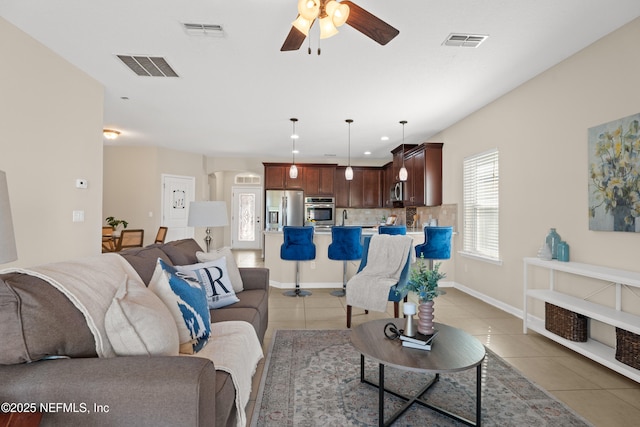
(366, 230)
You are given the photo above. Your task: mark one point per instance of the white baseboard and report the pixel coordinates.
(489, 300)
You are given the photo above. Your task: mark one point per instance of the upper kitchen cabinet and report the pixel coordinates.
(364, 191)
(341, 187)
(387, 183)
(398, 154)
(276, 177)
(318, 180)
(424, 183)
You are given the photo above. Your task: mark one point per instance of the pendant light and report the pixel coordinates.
(348, 172)
(293, 170)
(403, 174)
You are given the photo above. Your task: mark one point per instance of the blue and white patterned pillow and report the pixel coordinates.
(214, 277)
(187, 301)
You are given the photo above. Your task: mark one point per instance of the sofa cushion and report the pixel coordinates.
(187, 302)
(182, 252)
(144, 260)
(139, 324)
(232, 267)
(214, 277)
(37, 321)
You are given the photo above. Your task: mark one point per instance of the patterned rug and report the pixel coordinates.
(312, 378)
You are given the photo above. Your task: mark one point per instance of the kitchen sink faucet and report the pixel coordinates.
(344, 216)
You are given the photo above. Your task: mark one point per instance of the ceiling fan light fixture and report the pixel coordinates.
(110, 133)
(302, 24)
(338, 12)
(309, 9)
(327, 28)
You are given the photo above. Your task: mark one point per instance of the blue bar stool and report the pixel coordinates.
(437, 244)
(393, 229)
(297, 246)
(345, 246)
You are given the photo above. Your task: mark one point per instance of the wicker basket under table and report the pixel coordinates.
(628, 348)
(565, 323)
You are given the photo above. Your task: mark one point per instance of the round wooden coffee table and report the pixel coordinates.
(452, 350)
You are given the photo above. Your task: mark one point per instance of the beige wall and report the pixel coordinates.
(51, 121)
(540, 130)
(133, 183)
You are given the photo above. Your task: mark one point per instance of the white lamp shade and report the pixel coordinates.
(207, 214)
(348, 173)
(403, 174)
(409, 308)
(309, 9)
(302, 24)
(327, 28)
(7, 239)
(338, 12)
(293, 172)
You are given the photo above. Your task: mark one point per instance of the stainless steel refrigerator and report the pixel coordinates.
(284, 207)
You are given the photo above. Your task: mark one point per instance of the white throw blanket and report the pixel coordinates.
(235, 348)
(386, 259)
(90, 284)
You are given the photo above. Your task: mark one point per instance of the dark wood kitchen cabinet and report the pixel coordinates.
(341, 188)
(276, 177)
(318, 180)
(364, 191)
(398, 153)
(424, 183)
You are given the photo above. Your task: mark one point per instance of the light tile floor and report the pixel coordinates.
(599, 394)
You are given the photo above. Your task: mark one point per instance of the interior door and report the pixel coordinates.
(177, 193)
(246, 221)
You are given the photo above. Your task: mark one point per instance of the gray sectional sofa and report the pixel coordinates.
(38, 321)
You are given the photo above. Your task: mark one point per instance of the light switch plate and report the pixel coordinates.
(78, 216)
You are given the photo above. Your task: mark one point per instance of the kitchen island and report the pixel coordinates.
(319, 273)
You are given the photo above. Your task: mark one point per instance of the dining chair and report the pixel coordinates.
(130, 239)
(161, 235)
(108, 242)
(397, 293)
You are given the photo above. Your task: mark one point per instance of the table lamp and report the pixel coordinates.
(207, 214)
(7, 239)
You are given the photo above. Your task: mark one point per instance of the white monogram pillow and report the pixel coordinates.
(214, 277)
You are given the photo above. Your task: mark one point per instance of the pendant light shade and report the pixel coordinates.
(348, 172)
(403, 174)
(293, 170)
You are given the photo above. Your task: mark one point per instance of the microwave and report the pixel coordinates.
(396, 191)
(320, 210)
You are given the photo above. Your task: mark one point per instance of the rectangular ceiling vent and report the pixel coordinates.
(207, 30)
(148, 66)
(464, 40)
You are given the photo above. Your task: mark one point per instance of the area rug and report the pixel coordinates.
(312, 378)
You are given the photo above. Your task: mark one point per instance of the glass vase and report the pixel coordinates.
(553, 238)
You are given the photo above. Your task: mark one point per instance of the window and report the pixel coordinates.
(481, 227)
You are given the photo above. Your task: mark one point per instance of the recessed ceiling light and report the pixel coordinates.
(295, 151)
(367, 153)
(384, 138)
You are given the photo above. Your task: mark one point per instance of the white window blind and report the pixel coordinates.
(481, 227)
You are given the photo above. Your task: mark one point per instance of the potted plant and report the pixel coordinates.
(424, 282)
(115, 223)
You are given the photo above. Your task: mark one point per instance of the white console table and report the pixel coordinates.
(595, 350)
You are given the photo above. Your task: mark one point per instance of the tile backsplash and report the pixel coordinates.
(412, 217)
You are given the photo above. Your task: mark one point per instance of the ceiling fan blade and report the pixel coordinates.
(294, 40)
(370, 25)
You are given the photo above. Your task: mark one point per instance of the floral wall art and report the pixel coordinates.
(614, 175)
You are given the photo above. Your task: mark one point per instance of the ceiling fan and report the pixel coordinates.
(331, 15)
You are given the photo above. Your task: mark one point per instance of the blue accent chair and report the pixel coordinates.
(345, 246)
(437, 244)
(393, 229)
(397, 293)
(297, 246)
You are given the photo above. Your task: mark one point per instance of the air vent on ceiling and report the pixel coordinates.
(209, 30)
(148, 66)
(464, 40)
